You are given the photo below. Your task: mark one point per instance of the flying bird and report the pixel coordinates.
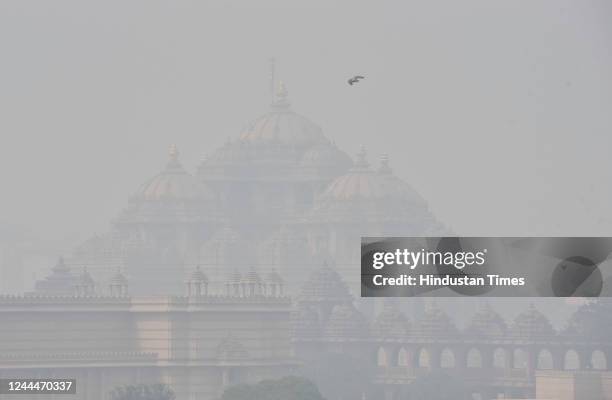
(355, 79)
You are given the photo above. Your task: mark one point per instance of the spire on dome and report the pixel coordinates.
(173, 156)
(281, 97)
(272, 71)
(384, 164)
(282, 91)
(173, 152)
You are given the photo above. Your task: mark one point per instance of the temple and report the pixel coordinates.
(248, 268)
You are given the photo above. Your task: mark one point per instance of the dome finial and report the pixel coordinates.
(281, 100)
(173, 152)
(282, 92)
(272, 72)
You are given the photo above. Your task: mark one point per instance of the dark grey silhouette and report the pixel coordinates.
(355, 79)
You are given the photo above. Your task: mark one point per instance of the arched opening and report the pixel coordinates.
(521, 359)
(572, 360)
(599, 361)
(545, 360)
(424, 359)
(402, 358)
(499, 358)
(474, 359)
(381, 358)
(447, 359)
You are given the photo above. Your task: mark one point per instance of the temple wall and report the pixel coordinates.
(198, 346)
(572, 385)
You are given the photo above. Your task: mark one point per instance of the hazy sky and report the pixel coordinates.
(498, 112)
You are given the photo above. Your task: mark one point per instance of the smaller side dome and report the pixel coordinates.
(173, 183)
(364, 183)
(171, 195)
(375, 196)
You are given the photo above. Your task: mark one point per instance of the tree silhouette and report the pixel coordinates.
(142, 392)
(288, 388)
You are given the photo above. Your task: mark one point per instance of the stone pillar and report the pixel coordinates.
(435, 353)
(509, 357)
(558, 355)
(487, 357)
(532, 362)
(461, 357)
(584, 357)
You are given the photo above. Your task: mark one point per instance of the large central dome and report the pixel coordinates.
(279, 147)
(283, 126)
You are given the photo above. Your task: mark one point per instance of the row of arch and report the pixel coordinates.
(474, 359)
